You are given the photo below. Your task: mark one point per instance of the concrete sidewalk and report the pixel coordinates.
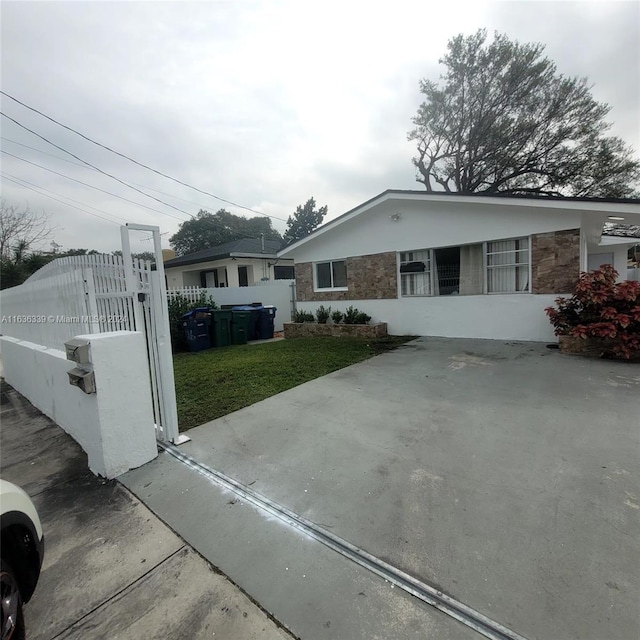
(112, 569)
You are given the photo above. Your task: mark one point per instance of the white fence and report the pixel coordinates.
(50, 311)
(98, 294)
(74, 295)
(192, 294)
(279, 293)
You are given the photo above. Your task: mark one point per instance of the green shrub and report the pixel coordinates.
(353, 316)
(303, 316)
(322, 314)
(336, 316)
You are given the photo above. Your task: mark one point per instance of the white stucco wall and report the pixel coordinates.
(276, 293)
(423, 225)
(497, 317)
(189, 275)
(114, 426)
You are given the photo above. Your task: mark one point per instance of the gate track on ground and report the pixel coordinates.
(424, 592)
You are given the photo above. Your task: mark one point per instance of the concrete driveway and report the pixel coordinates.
(505, 474)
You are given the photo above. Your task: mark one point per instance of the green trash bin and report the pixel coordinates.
(221, 328)
(240, 327)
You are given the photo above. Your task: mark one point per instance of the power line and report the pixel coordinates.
(96, 168)
(46, 153)
(24, 183)
(20, 181)
(126, 157)
(77, 164)
(115, 195)
(84, 204)
(86, 184)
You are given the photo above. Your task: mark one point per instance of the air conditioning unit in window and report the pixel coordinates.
(413, 267)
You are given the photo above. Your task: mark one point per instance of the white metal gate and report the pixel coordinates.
(151, 315)
(121, 293)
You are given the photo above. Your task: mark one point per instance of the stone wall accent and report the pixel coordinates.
(370, 277)
(555, 261)
(593, 347)
(313, 330)
(304, 281)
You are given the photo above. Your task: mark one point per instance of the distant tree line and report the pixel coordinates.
(207, 230)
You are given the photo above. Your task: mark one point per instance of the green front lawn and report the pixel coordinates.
(213, 383)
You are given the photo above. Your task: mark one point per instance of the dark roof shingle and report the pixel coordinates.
(242, 246)
(621, 230)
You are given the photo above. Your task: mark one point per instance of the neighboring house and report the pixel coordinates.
(459, 265)
(240, 263)
(615, 239)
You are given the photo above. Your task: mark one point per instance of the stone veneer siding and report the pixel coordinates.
(371, 277)
(555, 261)
(313, 330)
(555, 267)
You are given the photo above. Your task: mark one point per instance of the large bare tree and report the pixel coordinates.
(504, 120)
(20, 230)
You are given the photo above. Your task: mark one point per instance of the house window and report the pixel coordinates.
(331, 275)
(463, 270)
(508, 266)
(284, 272)
(415, 273)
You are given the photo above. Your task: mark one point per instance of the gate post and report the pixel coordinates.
(167, 421)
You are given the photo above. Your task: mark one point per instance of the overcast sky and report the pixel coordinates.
(262, 103)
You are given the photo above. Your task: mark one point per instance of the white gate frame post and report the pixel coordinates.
(130, 276)
(167, 388)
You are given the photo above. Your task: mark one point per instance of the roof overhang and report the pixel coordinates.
(269, 256)
(593, 223)
(597, 210)
(607, 241)
(186, 263)
(219, 258)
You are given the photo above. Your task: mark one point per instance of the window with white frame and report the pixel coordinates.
(331, 275)
(415, 273)
(500, 266)
(508, 266)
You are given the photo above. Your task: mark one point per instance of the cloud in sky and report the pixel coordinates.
(262, 103)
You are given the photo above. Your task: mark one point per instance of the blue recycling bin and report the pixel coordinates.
(196, 325)
(266, 320)
(254, 315)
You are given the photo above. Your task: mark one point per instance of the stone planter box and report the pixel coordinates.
(591, 347)
(313, 329)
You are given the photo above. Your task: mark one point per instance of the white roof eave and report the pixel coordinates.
(594, 210)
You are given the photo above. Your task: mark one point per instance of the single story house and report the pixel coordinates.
(240, 263)
(459, 265)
